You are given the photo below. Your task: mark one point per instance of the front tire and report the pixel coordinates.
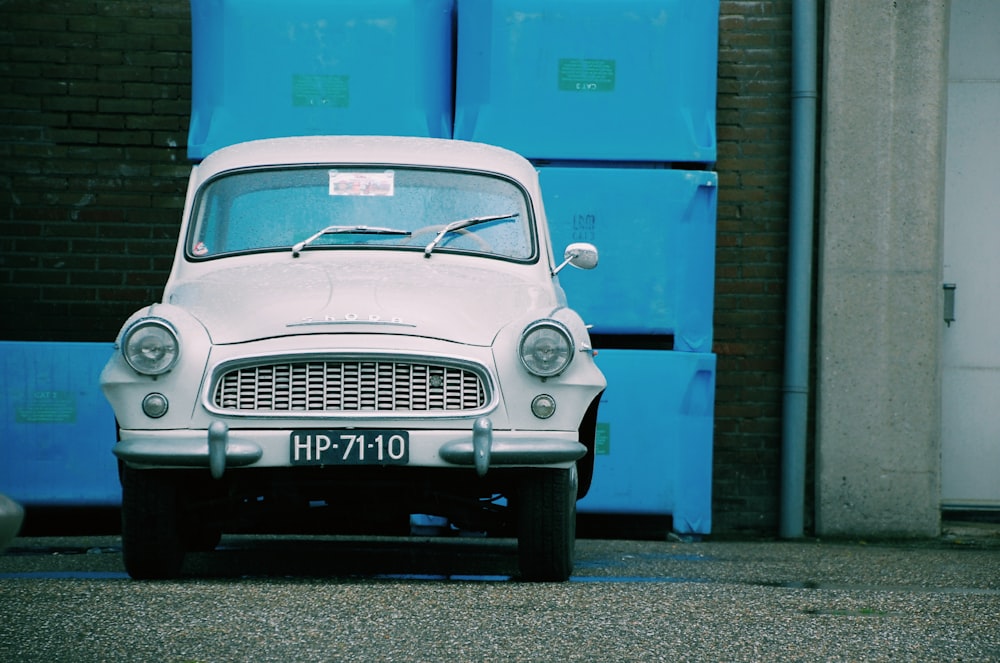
(152, 545)
(546, 524)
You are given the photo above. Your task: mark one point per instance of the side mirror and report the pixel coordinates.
(581, 255)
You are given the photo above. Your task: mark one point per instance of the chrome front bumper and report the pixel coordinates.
(220, 449)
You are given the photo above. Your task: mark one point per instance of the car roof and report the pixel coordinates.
(376, 150)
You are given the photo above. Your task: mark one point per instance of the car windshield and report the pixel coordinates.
(305, 209)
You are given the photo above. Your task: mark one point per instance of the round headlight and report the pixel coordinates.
(546, 348)
(150, 346)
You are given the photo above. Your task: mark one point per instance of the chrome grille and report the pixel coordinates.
(349, 386)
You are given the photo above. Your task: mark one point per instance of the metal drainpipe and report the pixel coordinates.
(800, 256)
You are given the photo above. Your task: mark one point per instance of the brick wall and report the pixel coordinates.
(93, 125)
(753, 131)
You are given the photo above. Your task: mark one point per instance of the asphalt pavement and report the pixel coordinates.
(457, 599)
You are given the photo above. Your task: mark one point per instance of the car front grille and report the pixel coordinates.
(349, 386)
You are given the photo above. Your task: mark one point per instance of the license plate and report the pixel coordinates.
(349, 447)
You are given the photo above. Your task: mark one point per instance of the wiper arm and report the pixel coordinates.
(464, 223)
(350, 230)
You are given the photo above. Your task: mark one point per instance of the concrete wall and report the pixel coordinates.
(878, 415)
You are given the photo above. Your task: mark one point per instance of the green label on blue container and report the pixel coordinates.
(602, 439)
(47, 407)
(584, 75)
(321, 91)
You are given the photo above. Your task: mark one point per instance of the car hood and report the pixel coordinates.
(427, 298)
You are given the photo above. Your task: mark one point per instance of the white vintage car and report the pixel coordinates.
(357, 329)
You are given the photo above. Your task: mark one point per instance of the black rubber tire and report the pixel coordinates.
(200, 537)
(152, 544)
(546, 524)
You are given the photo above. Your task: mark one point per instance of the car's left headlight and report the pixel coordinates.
(150, 346)
(546, 348)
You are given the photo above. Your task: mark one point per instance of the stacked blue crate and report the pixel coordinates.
(655, 231)
(264, 69)
(654, 445)
(56, 428)
(594, 80)
(614, 100)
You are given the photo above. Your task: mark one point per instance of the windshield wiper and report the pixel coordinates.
(346, 230)
(464, 223)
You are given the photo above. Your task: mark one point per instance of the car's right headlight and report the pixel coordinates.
(546, 348)
(150, 346)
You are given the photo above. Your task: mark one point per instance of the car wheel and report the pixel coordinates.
(546, 524)
(202, 537)
(152, 546)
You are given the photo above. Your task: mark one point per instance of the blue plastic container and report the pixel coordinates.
(655, 234)
(654, 443)
(56, 429)
(589, 79)
(263, 69)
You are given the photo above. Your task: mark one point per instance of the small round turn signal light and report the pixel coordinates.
(543, 406)
(155, 405)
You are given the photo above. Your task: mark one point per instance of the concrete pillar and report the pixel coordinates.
(878, 409)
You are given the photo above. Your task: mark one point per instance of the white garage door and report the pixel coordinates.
(970, 452)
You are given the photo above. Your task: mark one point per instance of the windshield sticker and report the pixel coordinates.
(200, 249)
(344, 183)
